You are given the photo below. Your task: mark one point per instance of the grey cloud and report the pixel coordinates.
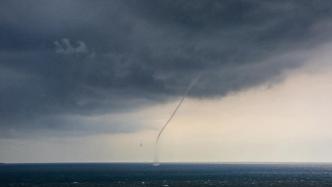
(144, 52)
(64, 46)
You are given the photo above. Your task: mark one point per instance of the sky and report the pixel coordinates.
(94, 81)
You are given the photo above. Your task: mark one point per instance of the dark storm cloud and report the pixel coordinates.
(63, 58)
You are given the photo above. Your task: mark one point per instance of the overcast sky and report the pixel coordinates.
(96, 80)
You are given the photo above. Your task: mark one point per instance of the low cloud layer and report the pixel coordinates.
(84, 58)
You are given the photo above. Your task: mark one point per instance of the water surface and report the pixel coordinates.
(139, 174)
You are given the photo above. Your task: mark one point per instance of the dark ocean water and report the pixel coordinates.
(105, 174)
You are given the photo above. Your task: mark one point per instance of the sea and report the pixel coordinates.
(166, 175)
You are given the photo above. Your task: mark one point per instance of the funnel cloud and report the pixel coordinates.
(192, 83)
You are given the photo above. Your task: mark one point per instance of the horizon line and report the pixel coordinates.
(161, 163)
